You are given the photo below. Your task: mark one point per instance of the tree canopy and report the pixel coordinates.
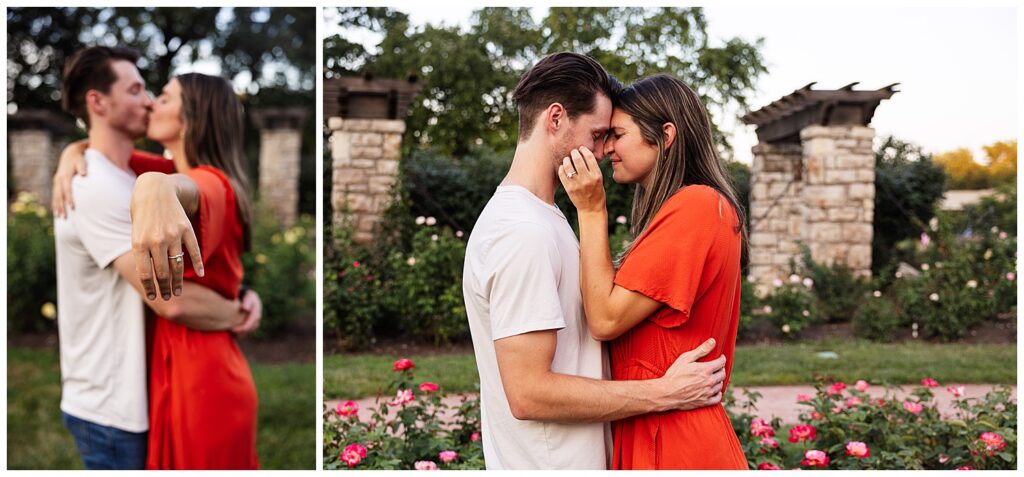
(469, 73)
(967, 173)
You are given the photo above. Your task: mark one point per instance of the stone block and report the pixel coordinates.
(825, 232)
(763, 239)
(367, 139)
(386, 166)
(862, 191)
(843, 214)
(840, 176)
(343, 176)
(859, 233)
(381, 184)
(366, 152)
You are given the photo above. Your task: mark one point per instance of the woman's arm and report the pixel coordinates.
(611, 310)
(70, 164)
(161, 207)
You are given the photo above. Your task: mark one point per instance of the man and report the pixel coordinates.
(101, 322)
(544, 401)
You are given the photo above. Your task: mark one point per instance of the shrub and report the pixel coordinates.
(790, 306)
(31, 266)
(749, 303)
(837, 289)
(876, 318)
(282, 268)
(351, 290)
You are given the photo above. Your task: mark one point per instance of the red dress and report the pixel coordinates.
(202, 400)
(689, 260)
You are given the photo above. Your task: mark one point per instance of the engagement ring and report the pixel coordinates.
(178, 257)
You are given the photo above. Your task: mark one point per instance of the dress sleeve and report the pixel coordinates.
(667, 261)
(142, 162)
(214, 194)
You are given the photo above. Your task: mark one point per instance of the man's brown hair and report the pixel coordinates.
(570, 79)
(89, 69)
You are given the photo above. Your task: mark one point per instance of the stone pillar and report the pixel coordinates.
(35, 140)
(839, 195)
(280, 154)
(776, 209)
(365, 155)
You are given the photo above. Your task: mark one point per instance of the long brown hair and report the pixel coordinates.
(214, 135)
(690, 159)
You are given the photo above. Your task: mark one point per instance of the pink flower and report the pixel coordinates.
(428, 387)
(1010, 276)
(966, 467)
(993, 442)
(929, 383)
(403, 364)
(925, 239)
(836, 388)
(837, 410)
(956, 391)
(853, 402)
(802, 432)
(803, 398)
(447, 456)
(943, 458)
(425, 465)
(769, 443)
(861, 385)
(760, 428)
(768, 466)
(347, 408)
(815, 415)
(355, 264)
(474, 436)
(353, 454)
(858, 449)
(403, 396)
(913, 407)
(815, 458)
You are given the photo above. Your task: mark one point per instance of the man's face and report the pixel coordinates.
(126, 106)
(587, 130)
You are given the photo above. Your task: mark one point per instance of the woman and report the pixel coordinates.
(678, 281)
(202, 400)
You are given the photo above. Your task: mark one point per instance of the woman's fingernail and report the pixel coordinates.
(177, 292)
(151, 296)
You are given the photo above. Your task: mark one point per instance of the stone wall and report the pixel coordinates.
(364, 156)
(819, 193)
(33, 156)
(279, 172)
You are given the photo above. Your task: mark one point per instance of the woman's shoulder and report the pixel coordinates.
(694, 197)
(208, 176)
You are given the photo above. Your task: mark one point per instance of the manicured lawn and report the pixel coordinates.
(355, 376)
(36, 438)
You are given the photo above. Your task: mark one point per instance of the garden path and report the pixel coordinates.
(777, 401)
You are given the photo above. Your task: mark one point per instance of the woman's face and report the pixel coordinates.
(632, 157)
(166, 124)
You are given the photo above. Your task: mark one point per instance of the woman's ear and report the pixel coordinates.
(668, 130)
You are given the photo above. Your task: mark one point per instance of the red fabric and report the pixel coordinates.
(202, 400)
(689, 260)
(143, 161)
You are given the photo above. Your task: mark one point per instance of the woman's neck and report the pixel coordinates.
(177, 151)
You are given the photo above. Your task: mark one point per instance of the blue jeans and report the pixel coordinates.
(104, 447)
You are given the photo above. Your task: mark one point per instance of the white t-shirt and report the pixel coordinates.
(100, 318)
(522, 274)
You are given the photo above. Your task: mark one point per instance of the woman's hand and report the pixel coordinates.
(160, 226)
(71, 163)
(581, 177)
(253, 308)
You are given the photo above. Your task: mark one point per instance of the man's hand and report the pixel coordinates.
(72, 163)
(253, 308)
(160, 226)
(689, 384)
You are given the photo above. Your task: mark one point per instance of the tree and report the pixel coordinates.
(963, 171)
(1002, 162)
(468, 74)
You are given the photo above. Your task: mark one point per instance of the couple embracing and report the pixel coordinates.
(542, 305)
(166, 388)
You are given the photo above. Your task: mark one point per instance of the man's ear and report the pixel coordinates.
(94, 102)
(668, 131)
(554, 117)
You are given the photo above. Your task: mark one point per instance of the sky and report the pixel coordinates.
(957, 66)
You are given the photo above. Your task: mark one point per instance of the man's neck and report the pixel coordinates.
(115, 145)
(532, 170)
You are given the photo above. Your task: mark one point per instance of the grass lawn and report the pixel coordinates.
(37, 439)
(356, 376)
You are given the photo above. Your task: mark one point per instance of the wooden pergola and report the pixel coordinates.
(368, 98)
(782, 120)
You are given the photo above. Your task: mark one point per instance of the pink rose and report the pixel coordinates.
(353, 454)
(474, 436)
(956, 391)
(760, 428)
(769, 443)
(861, 385)
(355, 264)
(925, 239)
(913, 407)
(447, 456)
(347, 408)
(403, 364)
(853, 402)
(803, 398)
(929, 383)
(425, 465)
(768, 466)
(858, 449)
(993, 442)
(815, 458)
(1010, 276)
(802, 432)
(428, 387)
(815, 415)
(943, 458)
(837, 410)
(402, 397)
(836, 388)
(966, 467)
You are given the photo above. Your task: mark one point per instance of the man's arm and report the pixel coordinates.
(198, 307)
(538, 394)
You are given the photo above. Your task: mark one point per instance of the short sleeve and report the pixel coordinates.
(667, 261)
(143, 161)
(102, 218)
(213, 202)
(521, 281)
